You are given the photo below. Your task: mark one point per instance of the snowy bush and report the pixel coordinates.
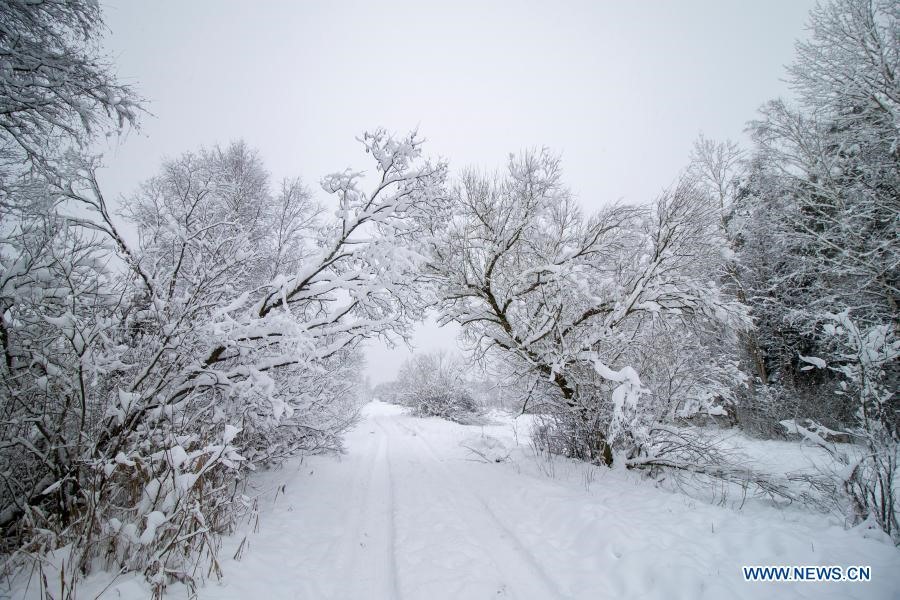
(433, 385)
(453, 404)
(867, 362)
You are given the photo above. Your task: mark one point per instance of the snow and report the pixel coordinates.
(816, 362)
(230, 432)
(429, 509)
(154, 520)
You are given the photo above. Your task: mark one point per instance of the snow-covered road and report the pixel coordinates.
(413, 512)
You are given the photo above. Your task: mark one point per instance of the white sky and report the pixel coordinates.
(621, 89)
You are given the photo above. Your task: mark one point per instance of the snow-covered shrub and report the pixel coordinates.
(873, 485)
(868, 364)
(453, 404)
(565, 434)
(434, 385)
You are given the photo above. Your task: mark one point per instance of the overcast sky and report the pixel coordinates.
(620, 89)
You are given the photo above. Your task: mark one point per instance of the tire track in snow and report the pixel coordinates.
(392, 514)
(346, 550)
(369, 555)
(510, 534)
(519, 568)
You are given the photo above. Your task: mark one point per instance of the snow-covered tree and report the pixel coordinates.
(847, 70)
(815, 227)
(56, 90)
(568, 300)
(816, 223)
(57, 292)
(142, 379)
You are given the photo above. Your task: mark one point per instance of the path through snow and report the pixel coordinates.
(409, 512)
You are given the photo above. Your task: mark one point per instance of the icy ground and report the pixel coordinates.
(418, 509)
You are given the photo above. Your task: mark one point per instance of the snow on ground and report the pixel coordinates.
(422, 509)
